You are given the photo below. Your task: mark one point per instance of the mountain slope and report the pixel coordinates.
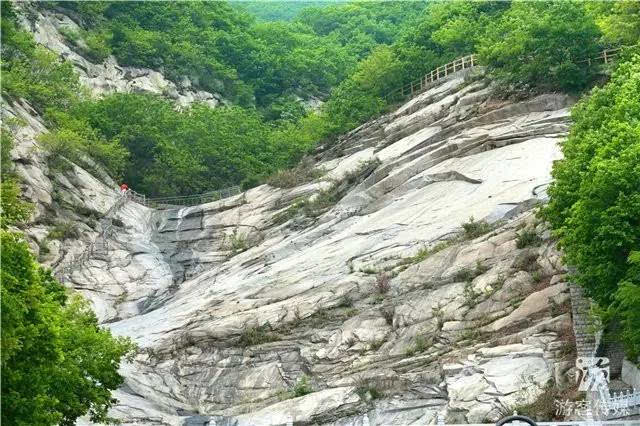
(224, 333)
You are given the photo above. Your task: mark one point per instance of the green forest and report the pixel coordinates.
(265, 61)
(348, 55)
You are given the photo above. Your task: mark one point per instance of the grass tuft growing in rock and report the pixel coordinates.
(303, 173)
(258, 335)
(388, 313)
(540, 402)
(468, 274)
(425, 252)
(376, 344)
(473, 229)
(496, 285)
(345, 302)
(526, 261)
(383, 283)
(302, 387)
(366, 389)
(327, 198)
(421, 344)
(528, 238)
(470, 295)
(62, 231)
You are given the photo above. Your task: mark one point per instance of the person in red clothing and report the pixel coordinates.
(124, 188)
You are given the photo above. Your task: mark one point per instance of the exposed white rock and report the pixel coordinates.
(438, 341)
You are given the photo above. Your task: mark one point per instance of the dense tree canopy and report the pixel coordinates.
(595, 202)
(352, 55)
(541, 44)
(619, 21)
(224, 50)
(275, 10)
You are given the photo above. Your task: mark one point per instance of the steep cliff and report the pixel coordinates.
(362, 280)
(107, 77)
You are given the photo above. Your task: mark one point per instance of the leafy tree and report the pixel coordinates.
(279, 10)
(361, 96)
(33, 72)
(625, 307)
(595, 204)
(13, 211)
(541, 44)
(361, 26)
(619, 21)
(444, 32)
(57, 363)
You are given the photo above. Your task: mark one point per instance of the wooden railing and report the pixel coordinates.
(606, 56)
(418, 86)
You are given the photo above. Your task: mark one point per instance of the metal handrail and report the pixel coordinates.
(74, 261)
(106, 224)
(195, 198)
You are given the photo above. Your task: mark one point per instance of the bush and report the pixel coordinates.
(97, 42)
(594, 201)
(62, 145)
(57, 362)
(258, 335)
(473, 229)
(528, 237)
(63, 231)
(75, 139)
(302, 387)
(13, 211)
(303, 173)
(383, 284)
(366, 388)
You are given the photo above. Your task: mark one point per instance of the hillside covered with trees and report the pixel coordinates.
(350, 56)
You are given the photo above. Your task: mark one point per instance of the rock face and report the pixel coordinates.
(108, 77)
(391, 310)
